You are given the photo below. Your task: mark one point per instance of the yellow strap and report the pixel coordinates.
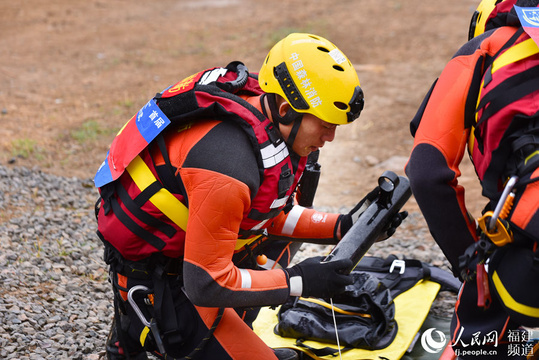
(515, 53)
(512, 303)
(144, 335)
(340, 311)
(240, 243)
(529, 157)
(169, 205)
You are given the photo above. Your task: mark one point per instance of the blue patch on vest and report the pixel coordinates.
(529, 19)
(103, 175)
(151, 121)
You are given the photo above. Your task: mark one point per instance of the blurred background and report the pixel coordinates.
(73, 72)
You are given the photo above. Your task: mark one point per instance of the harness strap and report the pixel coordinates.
(479, 70)
(167, 203)
(134, 207)
(516, 53)
(471, 100)
(167, 173)
(136, 228)
(165, 311)
(510, 90)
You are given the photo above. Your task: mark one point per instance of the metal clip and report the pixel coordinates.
(149, 324)
(507, 189)
(500, 234)
(492, 223)
(397, 264)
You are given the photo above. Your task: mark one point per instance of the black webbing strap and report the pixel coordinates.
(481, 67)
(134, 227)
(167, 175)
(165, 311)
(509, 91)
(147, 193)
(471, 99)
(134, 206)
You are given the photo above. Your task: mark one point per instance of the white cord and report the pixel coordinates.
(335, 325)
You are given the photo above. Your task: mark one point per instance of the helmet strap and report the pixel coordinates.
(294, 131)
(290, 117)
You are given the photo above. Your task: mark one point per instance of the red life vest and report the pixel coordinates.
(502, 110)
(142, 213)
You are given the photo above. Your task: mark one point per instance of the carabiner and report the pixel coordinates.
(152, 325)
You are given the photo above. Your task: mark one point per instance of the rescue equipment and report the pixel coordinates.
(149, 325)
(372, 224)
(497, 229)
(378, 316)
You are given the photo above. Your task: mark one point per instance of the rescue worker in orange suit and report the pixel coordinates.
(486, 102)
(200, 227)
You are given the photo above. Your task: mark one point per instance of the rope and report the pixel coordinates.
(335, 325)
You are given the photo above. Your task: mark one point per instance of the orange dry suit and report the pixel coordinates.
(210, 190)
(483, 101)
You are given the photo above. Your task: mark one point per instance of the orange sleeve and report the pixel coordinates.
(442, 125)
(306, 225)
(216, 207)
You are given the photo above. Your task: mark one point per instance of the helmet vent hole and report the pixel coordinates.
(337, 67)
(340, 105)
(323, 49)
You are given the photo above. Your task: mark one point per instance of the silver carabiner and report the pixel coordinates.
(499, 206)
(149, 324)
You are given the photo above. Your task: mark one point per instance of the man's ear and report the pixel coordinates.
(283, 106)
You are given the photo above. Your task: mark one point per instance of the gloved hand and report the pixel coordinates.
(393, 225)
(346, 221)
(322, 280)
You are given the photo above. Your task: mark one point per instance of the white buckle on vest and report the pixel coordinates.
(279, 202)
(397, 264)
(211, 76)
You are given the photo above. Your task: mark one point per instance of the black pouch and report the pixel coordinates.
(364, 314)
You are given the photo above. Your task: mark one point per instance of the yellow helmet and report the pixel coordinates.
(314, 76)
(482, 14)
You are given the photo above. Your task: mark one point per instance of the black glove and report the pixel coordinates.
(393, 225)
(322, 280)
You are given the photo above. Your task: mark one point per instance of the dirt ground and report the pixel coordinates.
(73, 72)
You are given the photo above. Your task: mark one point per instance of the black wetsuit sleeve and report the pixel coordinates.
(227, 149)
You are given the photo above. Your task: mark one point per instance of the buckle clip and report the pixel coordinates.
(397, 264)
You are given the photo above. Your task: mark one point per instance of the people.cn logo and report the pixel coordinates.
(430, 344)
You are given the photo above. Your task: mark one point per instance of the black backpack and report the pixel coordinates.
(365, 312)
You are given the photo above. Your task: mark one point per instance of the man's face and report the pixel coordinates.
(312, 134)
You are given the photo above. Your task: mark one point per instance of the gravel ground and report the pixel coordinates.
(55, 299)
